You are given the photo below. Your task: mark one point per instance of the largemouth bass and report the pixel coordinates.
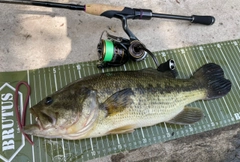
(119, 102)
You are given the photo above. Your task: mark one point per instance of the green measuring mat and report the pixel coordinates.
(218, 113)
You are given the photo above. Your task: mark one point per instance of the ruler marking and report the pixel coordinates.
(135, 138)
(97, 147)
(181, 69)
(103, 147)
(137, 67)
(228, 66)
(234, 60)
(215, 108)
(80, 147)
(70, 74)
(93, 69)
(214, 51)
(45, 84)
(143, 135)
(50, 81)
(203, 53)
(165, 127)
(56, 88)
(235, 96)
(184, 54)
(51, 91)
(74, 72)
(62, 141)
(40, 151)
(87, 149)
(60, 78)
(165, 59)
(145, 63)
(78, 69)
(238, 48)
(40, 84)
(66, 82)
(55, 78)
(234, 50)
(74, 142)
(84, 72)
(75, 148)
(31, 118)
(65, 75)
(113, 144)
(124, 141)
(91, 144)
(89, 72)
(124, 66)
(119, 143)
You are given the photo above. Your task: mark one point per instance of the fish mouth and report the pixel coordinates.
(38, 124)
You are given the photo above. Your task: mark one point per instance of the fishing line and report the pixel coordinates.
(21, 123)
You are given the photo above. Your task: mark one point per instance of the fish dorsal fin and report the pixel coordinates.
(118, 101)
(150, 70)
(189, 115)
(169, 73)
(123, 129)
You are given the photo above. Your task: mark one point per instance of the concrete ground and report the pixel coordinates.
(35, 37)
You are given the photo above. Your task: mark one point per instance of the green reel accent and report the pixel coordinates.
(109, 50)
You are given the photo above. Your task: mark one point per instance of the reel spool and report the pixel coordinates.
(111, 54)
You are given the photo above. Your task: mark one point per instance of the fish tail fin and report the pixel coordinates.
(211, 77)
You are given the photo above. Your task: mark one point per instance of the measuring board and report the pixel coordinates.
(218, 113)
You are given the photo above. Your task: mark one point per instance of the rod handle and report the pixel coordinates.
(206, 20)
(102, 9)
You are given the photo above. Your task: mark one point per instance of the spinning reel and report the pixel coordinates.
(116, 51)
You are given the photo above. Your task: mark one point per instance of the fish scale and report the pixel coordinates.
(156, 112)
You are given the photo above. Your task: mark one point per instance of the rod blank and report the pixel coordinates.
(206, 20)
(46, 4)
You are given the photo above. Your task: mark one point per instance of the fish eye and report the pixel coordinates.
(49, 100)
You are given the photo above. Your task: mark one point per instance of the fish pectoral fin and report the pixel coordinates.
(189, 115)
(118, 101)
(124, 129)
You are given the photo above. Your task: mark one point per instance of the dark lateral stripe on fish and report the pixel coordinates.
(212, 77)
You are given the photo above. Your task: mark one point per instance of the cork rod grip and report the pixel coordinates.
(99, 9)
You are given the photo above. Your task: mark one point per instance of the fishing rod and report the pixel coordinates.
(116, 51)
